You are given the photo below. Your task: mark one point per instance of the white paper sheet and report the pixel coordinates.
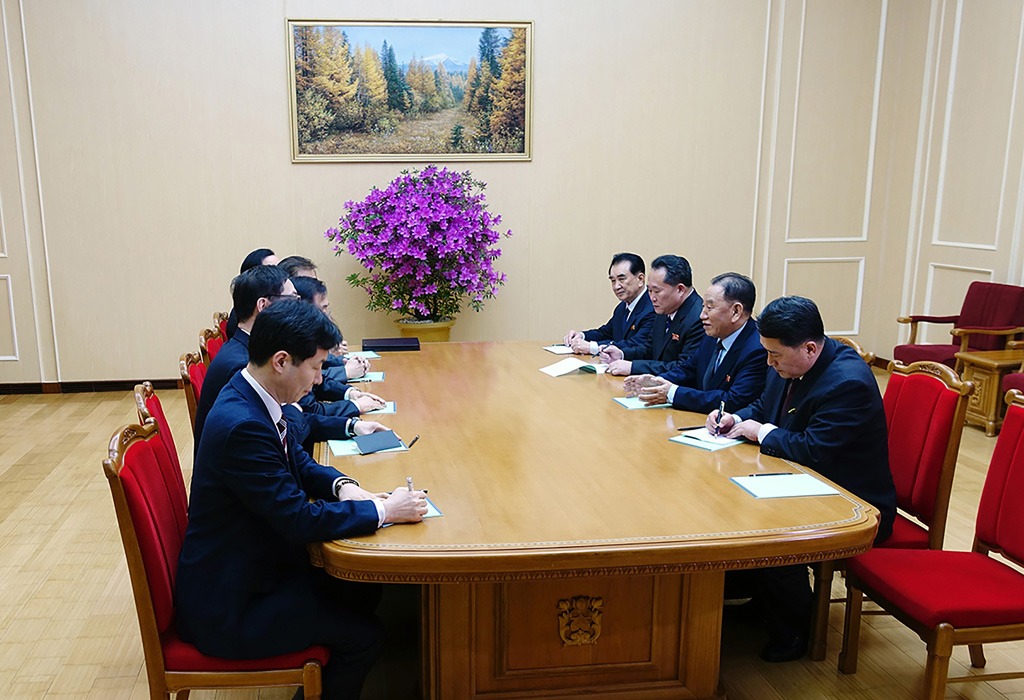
(633, 403)
(784, 485)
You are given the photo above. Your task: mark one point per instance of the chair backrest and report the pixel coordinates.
(147, 516)
(1000, 524)
(150, 409)
(925, 403)
(220, 319)
(868, 357)
(991, 305)
(193, 372)
(211, 340)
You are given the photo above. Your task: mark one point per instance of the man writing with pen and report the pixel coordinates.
(820, 408)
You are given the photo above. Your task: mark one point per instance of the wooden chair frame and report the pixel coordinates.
(963, 333)
(825, 571)
(865, 355)
(941, 639)
(186, 360)
(205, 336)
(162, 682)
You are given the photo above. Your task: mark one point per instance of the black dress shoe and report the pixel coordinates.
(787, 649)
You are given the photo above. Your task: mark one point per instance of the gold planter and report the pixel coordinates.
(432, 332)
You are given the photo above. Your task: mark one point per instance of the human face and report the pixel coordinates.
(297, 380)
(665, 297)
(791, 363)
(320, 302)
(625, 284)
(720, 318)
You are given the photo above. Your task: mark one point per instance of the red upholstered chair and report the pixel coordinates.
(991, 313)
(211, 340)
(954, 598)
(220, 319)
(193, 371)
(925, 405)
(148, 516)
(1014, 380)
(150, 410)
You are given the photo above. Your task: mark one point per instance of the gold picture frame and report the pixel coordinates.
(375, 91)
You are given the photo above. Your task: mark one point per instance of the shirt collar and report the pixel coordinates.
(632, 305)
(273, 407)
(731, 338)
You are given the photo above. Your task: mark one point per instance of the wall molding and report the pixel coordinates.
(932, 267)
(860, 285)
(14, 328)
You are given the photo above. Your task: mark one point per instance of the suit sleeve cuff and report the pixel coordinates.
(672, 393)
(763, 432)
(380, 511)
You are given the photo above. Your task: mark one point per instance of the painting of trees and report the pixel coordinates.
(410, 91)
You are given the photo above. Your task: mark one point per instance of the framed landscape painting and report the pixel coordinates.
(410, 91)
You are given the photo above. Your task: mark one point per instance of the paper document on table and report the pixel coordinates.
(348, 448)
(559, 349)
(704, 444)
(634, 402)
(573, 364)
(432, 512)
(784, 485)
(389, 407)
(369, 377)
(368, 354)
(705, 436)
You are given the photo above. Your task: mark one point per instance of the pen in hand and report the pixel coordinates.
(408, 482)
(718, 419)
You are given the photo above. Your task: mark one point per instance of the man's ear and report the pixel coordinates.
(279, 360)
(262, 303)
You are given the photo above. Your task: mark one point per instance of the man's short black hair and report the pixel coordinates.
(737, 287)
(294, 264)
(298, 328)
(677, 269)
(792, 321)
(255, 258)
(253, 284)
(636, 263)
(309, 287)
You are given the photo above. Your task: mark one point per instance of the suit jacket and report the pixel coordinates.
(232, 358)
(636, 334)
(670, 346)
(739, 379)
(244, 577)
(835, 424)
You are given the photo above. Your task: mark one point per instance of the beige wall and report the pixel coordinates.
(867, 153)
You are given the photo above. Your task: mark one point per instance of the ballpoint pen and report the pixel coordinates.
(413, 441)
(408, 482)
(718, 420)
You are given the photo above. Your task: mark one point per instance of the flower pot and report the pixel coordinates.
(426, 331)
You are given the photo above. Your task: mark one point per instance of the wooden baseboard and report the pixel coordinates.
(84, 387)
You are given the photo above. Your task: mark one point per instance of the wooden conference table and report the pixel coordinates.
(580, 551)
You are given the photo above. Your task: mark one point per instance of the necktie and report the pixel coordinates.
(789, 397)
(716, 360)
(282, 431)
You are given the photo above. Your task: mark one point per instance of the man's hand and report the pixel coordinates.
(620, 368)
(344, 347)
(610, 354)
(355, 367)
(365, 427)
(654, 391)
(570, 337)
(746, 429)
(366, 401)
(635, 384)
(351, 492)
(580, 346)
(727, 422)
(405, 506)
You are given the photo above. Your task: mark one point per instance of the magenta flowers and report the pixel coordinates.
(426, 242)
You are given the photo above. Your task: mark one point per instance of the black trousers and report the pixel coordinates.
(347, 626)
(783, 595)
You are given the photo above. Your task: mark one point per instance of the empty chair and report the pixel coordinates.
(146, 516)
(193, 371)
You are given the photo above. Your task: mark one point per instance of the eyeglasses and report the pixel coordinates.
(285, 296)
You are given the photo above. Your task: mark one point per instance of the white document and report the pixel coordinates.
(369, 377)
(389, 407)
(368, 354)
(634, 403)
(573, 364)
(784, 485)
(559, 349)
(704, 436)
(348, 448)
(703, 444)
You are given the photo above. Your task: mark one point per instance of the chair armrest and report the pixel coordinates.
(1014, 344)
(1000, 330)
(928, 319)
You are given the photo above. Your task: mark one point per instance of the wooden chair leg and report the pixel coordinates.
(823, 574)
(977, 655)
(311, 680)
(940, 648)
(851, 628)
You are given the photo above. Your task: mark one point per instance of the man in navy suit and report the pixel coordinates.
(631, 322)
(728, 366)
(820, 408)
(245, 586)
(260, 256)
(677, 327)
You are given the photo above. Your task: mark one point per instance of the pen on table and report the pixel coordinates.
(773, 474)
(413, 441)
(690, 427)
(718, 420)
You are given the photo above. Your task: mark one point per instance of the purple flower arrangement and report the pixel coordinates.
(426, 242)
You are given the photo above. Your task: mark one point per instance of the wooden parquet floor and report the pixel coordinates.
(67, 620)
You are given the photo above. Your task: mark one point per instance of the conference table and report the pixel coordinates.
(579, 551)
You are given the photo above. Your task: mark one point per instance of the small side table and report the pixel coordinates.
(986, 369)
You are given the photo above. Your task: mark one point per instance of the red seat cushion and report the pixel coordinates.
(944, 354)
(182, 656)
(1014, 380)
(965, 589)
(906, 534)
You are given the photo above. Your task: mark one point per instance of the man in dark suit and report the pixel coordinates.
(631, 322)
(245, 586)
(820, 408)
(677, 327)
(728, 366)
(260, 256)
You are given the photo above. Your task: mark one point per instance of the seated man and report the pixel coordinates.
(298, 266)
(677, 328)
(260, 256)
(245, 585)
(630, 324)
(728, 366)
(337, 369)
(820, 408)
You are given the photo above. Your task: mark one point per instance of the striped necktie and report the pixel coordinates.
(282, 431)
